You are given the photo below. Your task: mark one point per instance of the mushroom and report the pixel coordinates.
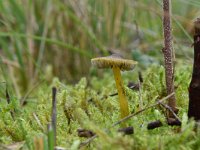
(117, 63)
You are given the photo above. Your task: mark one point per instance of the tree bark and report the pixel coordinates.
(194, 87)
(168, 56)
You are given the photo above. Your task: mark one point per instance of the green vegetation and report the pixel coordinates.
(50, 43)
(89, 106)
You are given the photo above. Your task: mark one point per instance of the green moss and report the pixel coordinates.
(89, 106)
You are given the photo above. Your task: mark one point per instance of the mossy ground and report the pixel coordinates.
(88, 105)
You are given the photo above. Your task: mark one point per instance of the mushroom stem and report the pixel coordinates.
(121, 92)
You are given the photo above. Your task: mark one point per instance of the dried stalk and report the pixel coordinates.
(54, 112)
(168, 56)
(170, 109)
(38, 121)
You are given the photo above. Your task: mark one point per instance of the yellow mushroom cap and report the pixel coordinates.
(113, 61)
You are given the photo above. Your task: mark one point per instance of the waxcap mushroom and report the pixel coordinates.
(117, 63)
(114, 60)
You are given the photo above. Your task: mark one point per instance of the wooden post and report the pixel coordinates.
(194, 88)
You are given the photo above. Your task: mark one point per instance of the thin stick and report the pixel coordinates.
(128, 117)
(170, 109)
(140, 111)
(53, 119)
(87, 141)
(38, 121)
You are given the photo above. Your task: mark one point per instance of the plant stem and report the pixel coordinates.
(50, 135)
(38, 121)
(170, 109)
(194, 88)
(53, 119)
(168, 55)
(121, 92)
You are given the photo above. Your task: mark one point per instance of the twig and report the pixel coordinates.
(140, 111)
(170, 109)
(87, 141)
(38, 121)
(128, 117)
(53, 119)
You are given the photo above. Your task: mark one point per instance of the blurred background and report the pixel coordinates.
(40, 39)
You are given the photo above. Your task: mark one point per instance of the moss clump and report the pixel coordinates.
(89, 106)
